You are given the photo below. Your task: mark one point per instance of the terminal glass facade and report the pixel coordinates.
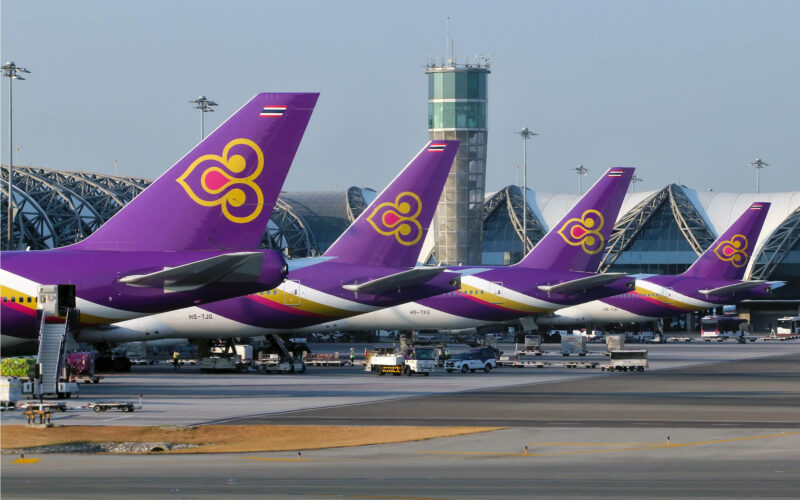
(660, 248)
(502, 245)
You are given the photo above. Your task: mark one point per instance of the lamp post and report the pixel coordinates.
(581, 171)
(634, 180)
(204, 105)
(11, 71)
(758, 164)
(525, 134)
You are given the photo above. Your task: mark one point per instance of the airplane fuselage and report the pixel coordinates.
(655, 297)
(487, 295)
(311, 295)
(100, 295)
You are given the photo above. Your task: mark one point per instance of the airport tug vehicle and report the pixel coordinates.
(407, 361)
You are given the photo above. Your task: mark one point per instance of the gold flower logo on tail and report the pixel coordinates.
(584, 231)
(399, 219)
(228, 180)
(733, 250)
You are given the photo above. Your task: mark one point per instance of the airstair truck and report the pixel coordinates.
(408, 361)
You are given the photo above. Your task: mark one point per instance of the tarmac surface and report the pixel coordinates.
(707, 421)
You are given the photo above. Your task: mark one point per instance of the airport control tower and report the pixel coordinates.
(457, 110)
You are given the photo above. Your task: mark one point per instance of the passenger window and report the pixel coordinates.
(12, 299)
(5, 299)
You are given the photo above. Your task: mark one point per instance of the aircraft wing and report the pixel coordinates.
(411, 277)
(736, 287)
(237, 267)
(581, 284)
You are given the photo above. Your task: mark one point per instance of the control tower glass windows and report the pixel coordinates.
(457, 115)
(457, 85)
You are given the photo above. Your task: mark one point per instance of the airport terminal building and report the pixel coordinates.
(657, 232)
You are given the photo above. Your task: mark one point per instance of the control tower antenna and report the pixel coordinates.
(446, 40)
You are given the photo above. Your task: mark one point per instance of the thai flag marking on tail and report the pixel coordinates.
(273, 111)
(436, 148)
(615, 173)
(756, 206)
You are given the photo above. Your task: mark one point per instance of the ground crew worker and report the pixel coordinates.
(446, 353)
(175, 357)
(352, 356)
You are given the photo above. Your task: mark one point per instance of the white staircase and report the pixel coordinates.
(51, 354)
(281, 345)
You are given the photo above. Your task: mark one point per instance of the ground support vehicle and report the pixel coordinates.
(273, 363)
(324, 359)
(522, 360)
(218, 364)
(533, 345)
(580, 364)
(724, 327)
(411, 360)
(787, 328)
(506, 360)
(614, 342)
(64, 389)
(81, 368)
(479, 358)
(10, 392)
(531, 363)
(112, 405)
(218, 355)
(627, 360)
(573, 344)
(42, 406)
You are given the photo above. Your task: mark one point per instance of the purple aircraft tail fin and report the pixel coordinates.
(577, 242)
(392, 229)
(728, 256)
(221, 194)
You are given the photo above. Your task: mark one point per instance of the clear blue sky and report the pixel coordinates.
(686, 91)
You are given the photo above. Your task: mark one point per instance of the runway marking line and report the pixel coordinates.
(25, 461)
(270, 459)
(594, 444)
(588, 452)
(393, 497)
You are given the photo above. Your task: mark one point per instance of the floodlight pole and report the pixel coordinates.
(581, 171)
(758, 164)
(634, 180)
(204, 105)
(526, 134)
(11, 71)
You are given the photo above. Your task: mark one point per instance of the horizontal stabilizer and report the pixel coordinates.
(238, 267)
(736, 287)
(581, 284)
(412, 277)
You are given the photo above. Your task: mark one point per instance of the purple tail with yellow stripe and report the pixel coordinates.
(392, 229)
(728, 256)
(577, 242)
(221, 194)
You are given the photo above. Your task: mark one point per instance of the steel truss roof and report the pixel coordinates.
(511, 199)
(691, 224)
(777, 247)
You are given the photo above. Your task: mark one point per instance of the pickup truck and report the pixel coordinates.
(480, 358)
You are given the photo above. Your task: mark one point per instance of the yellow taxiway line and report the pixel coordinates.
(610, 447)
